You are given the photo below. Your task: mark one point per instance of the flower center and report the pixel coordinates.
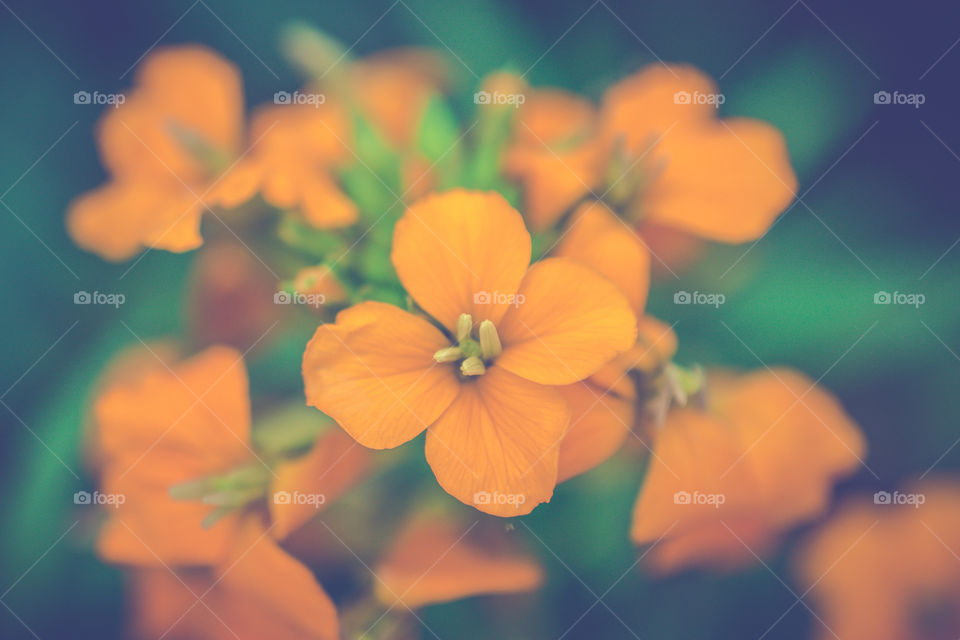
(474, 349)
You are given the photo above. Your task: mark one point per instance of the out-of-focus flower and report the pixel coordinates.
(186, 427)
(319, 281)
(656, 150)
(727, 481)
(481, 387)
(165, 148)
(433, 559)
(888, 569)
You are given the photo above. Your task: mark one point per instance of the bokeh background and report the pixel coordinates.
(878, 212)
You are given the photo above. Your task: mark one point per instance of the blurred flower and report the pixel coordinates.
(319, 281)
(480, 386)
(657, 151)
(165, 148)
(171, 434)
(888, 569)
(434, 559)
(727, 481)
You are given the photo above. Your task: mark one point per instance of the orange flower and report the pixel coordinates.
(656, 149)
(162, 427)
(480, 387)
(725, 482)
(880, 570)
(435, 560)
(164, 147)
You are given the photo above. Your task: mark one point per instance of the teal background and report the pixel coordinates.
(879, 183)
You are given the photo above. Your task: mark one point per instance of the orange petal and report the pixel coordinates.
(324, 205)
(596, 238)
(656, 345)
(643, 106)
(567, 323)
(374, 373)
(434, 560)
(496, 447)
(722, 181)
(461, 252)
(118, 219)
(154, 433)
(694, 461)
(263, 592)
(799, 437)
(599, 423)
(188, 87)
(334, 464)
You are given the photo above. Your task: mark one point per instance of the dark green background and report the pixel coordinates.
(880, 211)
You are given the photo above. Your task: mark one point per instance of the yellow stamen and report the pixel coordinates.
(472, 366)
(448, 354)
(490, 346)
(464, 326)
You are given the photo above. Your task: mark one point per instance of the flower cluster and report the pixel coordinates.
(484, 284)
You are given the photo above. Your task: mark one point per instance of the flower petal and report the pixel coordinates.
(461, 252)
(567, 323)
(496, 446)
(597, 239)
(189, 87)
(116, 220)
(373, 372)
(599, 423)
(723, 181)
(434, 560)
(332, 466)
(158, 429)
